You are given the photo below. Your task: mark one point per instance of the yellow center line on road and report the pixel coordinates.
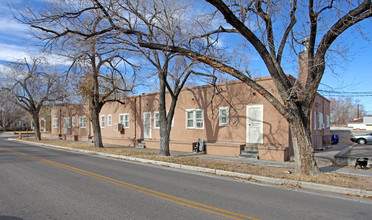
(175, 199)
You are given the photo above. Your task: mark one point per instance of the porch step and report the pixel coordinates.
(249, 152)
(141, 144)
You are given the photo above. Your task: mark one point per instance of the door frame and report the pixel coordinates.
(260, 120)
(144, 125)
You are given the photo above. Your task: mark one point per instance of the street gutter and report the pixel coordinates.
(270, 180)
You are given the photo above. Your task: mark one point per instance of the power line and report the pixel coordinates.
(346, 94)
(356, 93)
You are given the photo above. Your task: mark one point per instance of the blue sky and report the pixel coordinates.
(351, 75)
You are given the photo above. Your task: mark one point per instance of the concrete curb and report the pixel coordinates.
(264, 179)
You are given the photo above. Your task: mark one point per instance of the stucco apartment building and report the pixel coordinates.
(233, 123)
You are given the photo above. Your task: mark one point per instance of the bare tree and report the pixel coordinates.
(159, 22)
(33, 83)
(136, 17)
(102, 65)
(345, 109)
(270, 27)
(10, 112)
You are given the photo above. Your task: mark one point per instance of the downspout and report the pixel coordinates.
(59, 121)
(135, 119)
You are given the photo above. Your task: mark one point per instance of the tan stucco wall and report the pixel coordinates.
(221, 140)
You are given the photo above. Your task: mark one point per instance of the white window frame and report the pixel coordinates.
(69, 122)
(102, 121)
(194, 119)
(124, 120)
(221, 122)
(156, 120)
(109, 120)
(73, 121)
(315, 121)
(82, 122)
(320, 121)
(328, 121)
(55, 122)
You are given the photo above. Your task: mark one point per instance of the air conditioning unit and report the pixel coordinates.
(118, 127)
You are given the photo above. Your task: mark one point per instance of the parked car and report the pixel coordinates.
(362, 139)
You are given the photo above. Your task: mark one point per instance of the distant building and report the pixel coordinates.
(364, 123)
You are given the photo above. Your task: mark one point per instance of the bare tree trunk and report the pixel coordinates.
(302, 145)
(164, 126)
(164, 139)
(35, 117)
(94, 114)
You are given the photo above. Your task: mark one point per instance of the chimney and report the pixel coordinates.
(303, 63)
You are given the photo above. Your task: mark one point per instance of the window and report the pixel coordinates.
(55, 122)
(124, 119)
(314, 121)
(109, 120)
(224, 116)
(156, 120)
(102, 121)
(327, 121)
(320, 121)
(68, 122)
(195, 119)
(82, 122)
(73, 121)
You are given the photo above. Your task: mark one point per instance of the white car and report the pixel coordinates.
(362, 139)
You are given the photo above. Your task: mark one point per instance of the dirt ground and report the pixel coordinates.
(343, 180)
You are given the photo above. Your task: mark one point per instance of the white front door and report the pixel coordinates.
(147, 124)
(255, 124)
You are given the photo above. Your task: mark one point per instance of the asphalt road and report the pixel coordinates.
(42, 183)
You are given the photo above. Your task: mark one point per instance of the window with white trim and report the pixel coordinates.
(124, 119)
(69, 122)
(156, 120)
(73, 121)
(224, 116)
(109, 120)
(102, 121)
(195, 119)
(315, 121)
(55, 122)
(82, 122)
(328, 124)
(320, 121)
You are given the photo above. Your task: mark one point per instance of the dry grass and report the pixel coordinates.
(335, 179)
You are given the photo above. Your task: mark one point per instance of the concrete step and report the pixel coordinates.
(248, 155)
(141, 145)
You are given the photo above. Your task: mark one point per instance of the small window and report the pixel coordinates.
(314, 121)
(109, 120)
(156, 120)
(55, 122)
(68, 122)
(124, 119)
(73, 121)
(320, 121)
(195, 119)
(224, 116)
(82, 122)
(327, 121)
(102, 121)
